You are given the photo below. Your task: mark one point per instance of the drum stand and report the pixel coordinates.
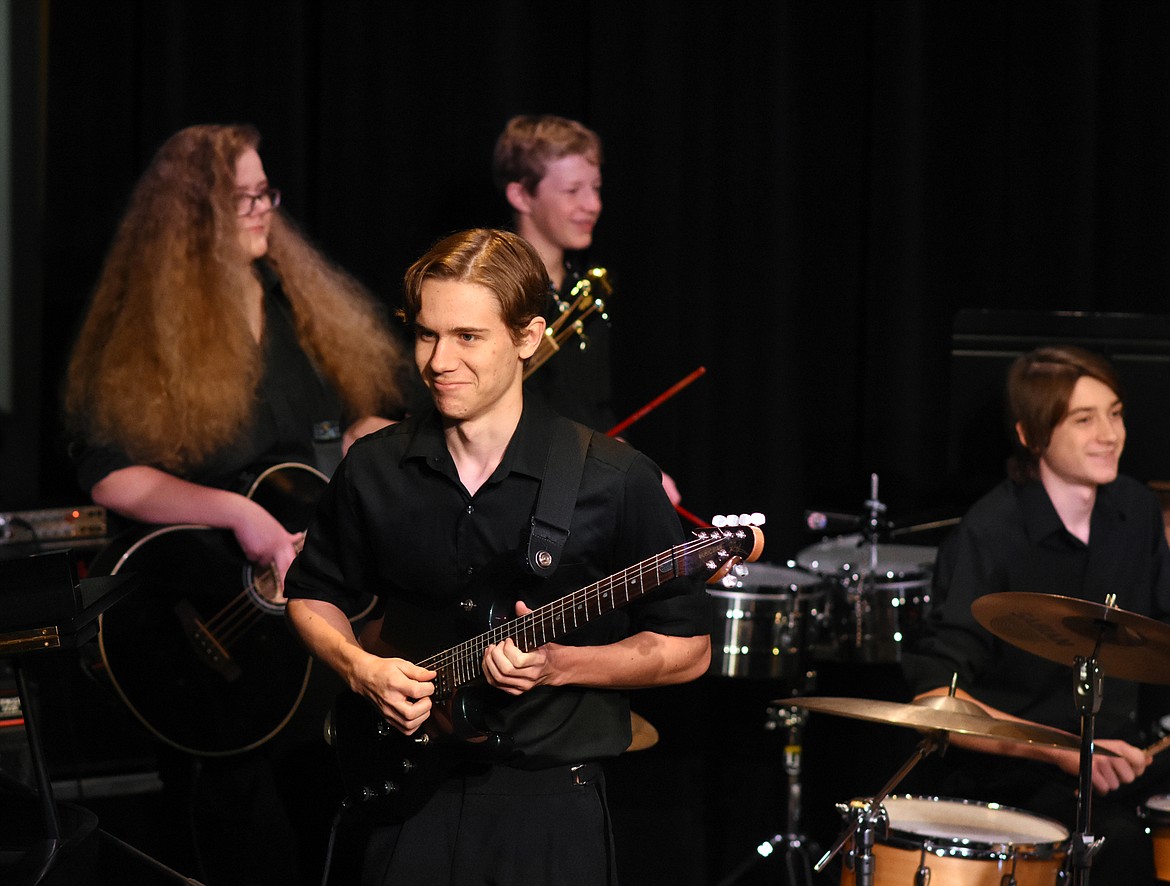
(1087, 687)
(795, 847)
(867, 814)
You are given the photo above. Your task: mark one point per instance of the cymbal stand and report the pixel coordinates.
(1087, 687)
(876, 523)
(796, 847)
(866, 814)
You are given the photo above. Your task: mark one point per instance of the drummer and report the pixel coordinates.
(1064, 523)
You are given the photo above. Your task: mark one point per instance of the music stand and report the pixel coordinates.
(43, 608)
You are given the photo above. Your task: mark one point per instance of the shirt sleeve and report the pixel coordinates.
(330, 566)
(95, 463)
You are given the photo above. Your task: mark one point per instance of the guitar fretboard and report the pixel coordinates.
(463, 663)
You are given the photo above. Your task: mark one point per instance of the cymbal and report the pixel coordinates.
(939, 713)
(1125, 644)
(644, 735)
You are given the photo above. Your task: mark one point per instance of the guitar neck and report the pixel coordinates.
(463, 663)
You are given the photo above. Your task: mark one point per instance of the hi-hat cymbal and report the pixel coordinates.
(939, 713)
(644, 734)
(1061, 629)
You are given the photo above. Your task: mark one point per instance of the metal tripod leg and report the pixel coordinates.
(793, 846)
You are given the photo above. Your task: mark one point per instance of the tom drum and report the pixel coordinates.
(762, 627)
(878, 596)
(1156, 813)
(963, 843)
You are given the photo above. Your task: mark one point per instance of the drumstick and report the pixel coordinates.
(1160, 745)
(683, 512)
(656, 402)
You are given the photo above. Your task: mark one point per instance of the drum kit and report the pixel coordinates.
(851, 599)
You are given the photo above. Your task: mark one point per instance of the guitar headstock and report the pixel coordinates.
(736, 541)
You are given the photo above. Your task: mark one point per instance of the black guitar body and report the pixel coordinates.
(389, 776)
(198, 652)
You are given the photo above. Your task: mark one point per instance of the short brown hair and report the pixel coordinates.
(500, 261)
(1039, 386)
(529, 143)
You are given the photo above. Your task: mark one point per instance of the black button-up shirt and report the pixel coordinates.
(397, 522)
(1013, 540)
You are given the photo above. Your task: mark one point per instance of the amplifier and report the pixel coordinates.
(84, 526)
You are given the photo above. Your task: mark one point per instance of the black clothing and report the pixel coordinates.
(576, 382)
(1013, 540)
(397, 521)
(481, 829)
(297, 415)
(263, 815)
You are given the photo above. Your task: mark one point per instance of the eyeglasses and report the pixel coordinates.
(268, 199)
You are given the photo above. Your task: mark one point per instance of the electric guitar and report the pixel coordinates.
(200, 651)
(389, 776)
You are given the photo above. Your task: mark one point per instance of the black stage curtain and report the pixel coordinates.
(798, 196)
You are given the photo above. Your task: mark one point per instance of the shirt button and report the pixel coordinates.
(471, 509)
(470, 570)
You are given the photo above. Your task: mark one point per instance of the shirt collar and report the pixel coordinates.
(527, 451)
(1041, 520)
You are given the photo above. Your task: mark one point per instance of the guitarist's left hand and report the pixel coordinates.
(509, 668)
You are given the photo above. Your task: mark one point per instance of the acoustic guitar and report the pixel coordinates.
(200, 651)
(389, 776)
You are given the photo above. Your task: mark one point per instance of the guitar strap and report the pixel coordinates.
(557, 497)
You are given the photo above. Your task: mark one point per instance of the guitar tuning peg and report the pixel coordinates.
(732, 520)
(739, 569)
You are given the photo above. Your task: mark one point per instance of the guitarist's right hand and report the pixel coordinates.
(149, 495)
(400, 690)
(265, 541)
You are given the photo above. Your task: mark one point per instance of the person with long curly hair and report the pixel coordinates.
(220, 345)
(218, 339)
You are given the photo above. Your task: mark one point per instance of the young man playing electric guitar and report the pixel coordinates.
(436, 514)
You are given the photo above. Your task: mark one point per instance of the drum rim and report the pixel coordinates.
(791, 593)
(1154, 813)
(907, 562)
(941, 847)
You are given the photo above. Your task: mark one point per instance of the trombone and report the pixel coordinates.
(581, 303)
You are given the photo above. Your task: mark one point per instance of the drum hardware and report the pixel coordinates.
(872, 611)
(879, 592)
(935, 717)
(1097, 638)
(798, 851)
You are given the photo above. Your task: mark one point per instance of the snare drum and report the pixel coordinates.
(1156, 813)
(762, 627)
(878, 600)
(964, 843)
